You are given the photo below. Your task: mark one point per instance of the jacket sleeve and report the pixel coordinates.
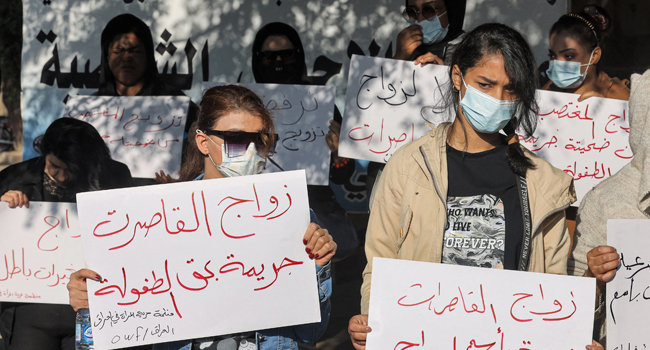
(383, 226)
(591, 232)
(557, 244)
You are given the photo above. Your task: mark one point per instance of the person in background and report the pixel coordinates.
(575, 50)
(234, 134)
(74, 159)
(622, 196)
(279, 58)
(469, 164)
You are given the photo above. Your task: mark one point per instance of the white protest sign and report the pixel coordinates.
(387, 105)
(145, 133)
(197, 259)
(588, 139)
(302, 120)
(627, 300)
(40, 247)
(440, 306)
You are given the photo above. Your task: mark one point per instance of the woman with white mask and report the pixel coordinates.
(575, 50)
(464, 166)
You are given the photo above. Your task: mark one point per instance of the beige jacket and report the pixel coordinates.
(409, 210)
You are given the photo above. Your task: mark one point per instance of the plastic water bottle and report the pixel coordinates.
(84, 331)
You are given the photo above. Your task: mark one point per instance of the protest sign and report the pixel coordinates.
(440, 306)
(588, 139)
(41, 247)
(627, 302)
(197, 259)
(145, 133)
(388, 103)
(302, 114)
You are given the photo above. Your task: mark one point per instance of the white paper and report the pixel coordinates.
(387, 105)
(40, 247)
(197, 259)
(302, 114)
(588, 139)
(145, 133)
(439, 306)
(627, 299)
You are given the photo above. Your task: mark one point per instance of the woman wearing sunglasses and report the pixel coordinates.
(430, 188)
(575, 50)
(234, 134)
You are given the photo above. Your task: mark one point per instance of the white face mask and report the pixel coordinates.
(250, 163)
(432, 30)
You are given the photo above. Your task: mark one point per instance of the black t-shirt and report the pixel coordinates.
(484, 220)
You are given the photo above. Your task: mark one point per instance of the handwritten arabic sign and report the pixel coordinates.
(628, 295)
(588, 139)
(145, 133)
(387, 105)
(39, 249)
(302, 120)
(191, 260)
(429, 306)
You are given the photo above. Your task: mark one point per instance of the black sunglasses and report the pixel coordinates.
(428, 11)
(236, 142)
(287, 56)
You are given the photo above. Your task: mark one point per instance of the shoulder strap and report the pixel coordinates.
(528, 229)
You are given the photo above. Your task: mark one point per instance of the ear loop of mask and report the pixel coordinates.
(209, 156)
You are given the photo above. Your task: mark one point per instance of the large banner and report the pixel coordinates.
(40, 247)
(145, 133)
(200, 41)
(388, 104)
(627, 303)
(197, 259)
(440, 306)
(588, 139)
(302, 114)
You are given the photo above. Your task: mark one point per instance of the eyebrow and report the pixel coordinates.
(567, 49)
(490, 81)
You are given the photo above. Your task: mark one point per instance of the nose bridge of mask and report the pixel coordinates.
(492, 100)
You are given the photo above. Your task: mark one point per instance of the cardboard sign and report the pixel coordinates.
(588, 139)
(388, 103)
(627, 298)
(439, 306)
(145, 133)
(40, 248)
(302, 114)
(198, 259)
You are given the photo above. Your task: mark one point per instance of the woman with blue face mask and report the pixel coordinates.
(574, 52)
(428, 196)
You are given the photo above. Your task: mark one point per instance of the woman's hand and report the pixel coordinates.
(319, 244)
(163, 178)
(588, 94)
(428, 58)
(602, 262)
(594, 346)
(15, 199)
(358, 330)
(407, 41)
(78, 289)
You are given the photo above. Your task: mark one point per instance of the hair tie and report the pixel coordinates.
(591, 26)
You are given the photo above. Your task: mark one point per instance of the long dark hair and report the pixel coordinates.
(125, 24)
(78, 145)
(498, 39)
(216, 103)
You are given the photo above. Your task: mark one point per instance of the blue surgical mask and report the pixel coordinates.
(432, 30)
(249, 163)
(485, 113)
(566, 74)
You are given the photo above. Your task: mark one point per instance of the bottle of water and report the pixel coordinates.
(84, 331)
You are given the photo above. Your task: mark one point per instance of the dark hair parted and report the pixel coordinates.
(587, 27)
(218, 102)
(78, 145)
(498, 39)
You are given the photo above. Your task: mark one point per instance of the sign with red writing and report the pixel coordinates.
(388, 104)
(145, 133)
(198, 259)
(588, 139)
(39, 248)
(627, 302)
(440, 306)
(302, 114)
